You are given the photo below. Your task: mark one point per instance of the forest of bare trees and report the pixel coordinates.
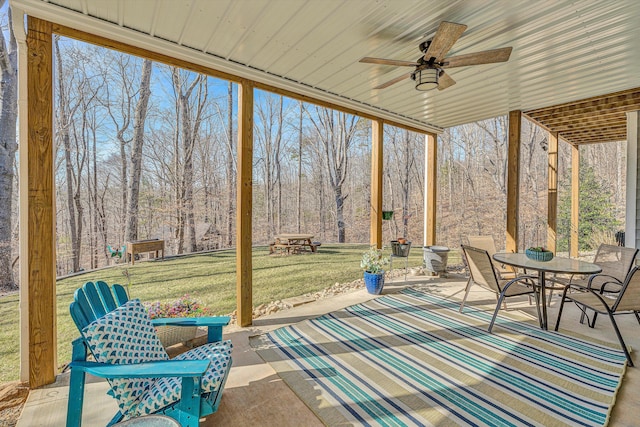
(145, 150)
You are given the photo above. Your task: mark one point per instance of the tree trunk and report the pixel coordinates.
(8, 147)
(299, 200)
(231, 185)
(139, 118)
(63, 133)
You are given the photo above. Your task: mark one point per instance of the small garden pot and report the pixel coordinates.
(374, 282)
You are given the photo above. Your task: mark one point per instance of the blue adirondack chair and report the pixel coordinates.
(121, 337)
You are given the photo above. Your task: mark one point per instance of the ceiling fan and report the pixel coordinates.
(429, 68)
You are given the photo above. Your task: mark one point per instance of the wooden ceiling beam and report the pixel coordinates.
(571, 119)
(589, 102)
(580, 139)
(599, 131)
(590, 126)
(629, 103)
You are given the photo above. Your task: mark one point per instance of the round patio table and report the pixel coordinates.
(555, 265)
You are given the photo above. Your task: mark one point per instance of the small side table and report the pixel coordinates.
(400, 251)
(149, 421)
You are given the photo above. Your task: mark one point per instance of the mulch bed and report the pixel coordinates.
(12, 397)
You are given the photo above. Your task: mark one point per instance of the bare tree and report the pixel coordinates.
(269, 142)
(139, 120)
(190, 115)
(8, 147)
(336, 133)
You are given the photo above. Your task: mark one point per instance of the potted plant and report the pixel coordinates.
(184, 306)
(539, 253)
(372, 263)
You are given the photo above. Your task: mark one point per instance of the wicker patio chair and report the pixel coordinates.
(627, 301)
(482, 273)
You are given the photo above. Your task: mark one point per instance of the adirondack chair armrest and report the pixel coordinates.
(159, 369)
(214, 324)
(192, 321)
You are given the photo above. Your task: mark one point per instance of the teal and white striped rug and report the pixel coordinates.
(411, 359)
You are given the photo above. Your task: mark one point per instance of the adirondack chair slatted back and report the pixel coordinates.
(93, 301)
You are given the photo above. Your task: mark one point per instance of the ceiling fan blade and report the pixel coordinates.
(448, 33)
(383, 61)
(444, 81)
(477, 58)
(396, 80)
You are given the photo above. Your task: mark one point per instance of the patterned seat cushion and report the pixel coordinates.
(166, 391)
(122, 337)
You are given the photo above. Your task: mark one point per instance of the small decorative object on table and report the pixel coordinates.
(372, 263)
(182, 307)
(538, 253)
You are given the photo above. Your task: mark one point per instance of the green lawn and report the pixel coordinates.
(208, 277)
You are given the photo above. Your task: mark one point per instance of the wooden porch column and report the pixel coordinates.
(552, 192)
(244, 267)
(575, 206)
(513, 179)
(37, 211)
(430, 177)
(377, 133)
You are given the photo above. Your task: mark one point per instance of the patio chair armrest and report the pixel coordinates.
(614, 280)
(156, 369)
(529, 278)
(214, 324)
(192, 321)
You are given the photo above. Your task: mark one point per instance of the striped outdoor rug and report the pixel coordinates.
(412, 359)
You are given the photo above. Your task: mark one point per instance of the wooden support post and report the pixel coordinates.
(575, 205)
(37, 209)
(244, 267)
(377, 132)
(552, 192)
(431, 176)
(513, 179)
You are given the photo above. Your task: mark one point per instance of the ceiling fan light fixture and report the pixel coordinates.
(426, 79)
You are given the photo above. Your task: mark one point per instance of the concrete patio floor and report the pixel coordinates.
(255, 394)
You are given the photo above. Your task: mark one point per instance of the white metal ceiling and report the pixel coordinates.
(562, 50)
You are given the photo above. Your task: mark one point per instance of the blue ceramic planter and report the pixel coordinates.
(374, 282)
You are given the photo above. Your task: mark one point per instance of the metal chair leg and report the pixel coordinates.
(466, 293)
(624, 346)
(495, 312)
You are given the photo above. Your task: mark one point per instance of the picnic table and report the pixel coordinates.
(290, 243)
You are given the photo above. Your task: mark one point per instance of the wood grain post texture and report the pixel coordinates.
(40, 227)
(244, 209)
(513, 179)
(431, 187)
(552, 192)
(575, 202)
(377, 132)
